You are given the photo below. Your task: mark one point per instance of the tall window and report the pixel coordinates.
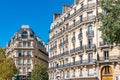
(29, 44)
(24, 35)
(28, 53)
(90, 42)
(20, 44)
(28, 62)
(73, 22)
(106, 55)
(81, 18)
(80, 44)
(67, 74)
(19, 54)
(90, 57)
(24, 44)
(20, 62)
(73, 60)
(80, 30)
(24, 70)
(89, 29)
(81, 59)
(73, 73)
(80, 72)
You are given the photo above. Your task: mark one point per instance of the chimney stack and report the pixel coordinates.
(56, 15)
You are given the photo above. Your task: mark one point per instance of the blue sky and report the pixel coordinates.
(36, 13)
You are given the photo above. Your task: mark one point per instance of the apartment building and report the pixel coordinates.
(27, 50)
(77, 51)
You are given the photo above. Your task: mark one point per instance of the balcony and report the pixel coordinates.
(88, 6)
(79, 49)
(80, 36)
(90, 47)
(105, 44)
(90, 33)
(109, 59)
(64, 54)
(54, 47)
(76, 50)
(73, 38)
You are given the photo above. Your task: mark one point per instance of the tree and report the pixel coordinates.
(7, 67)
(40, 73)
(110, 20)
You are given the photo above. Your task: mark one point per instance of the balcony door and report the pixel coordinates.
(89, 29)
(90, 57)
(90, 42)
(106, 55)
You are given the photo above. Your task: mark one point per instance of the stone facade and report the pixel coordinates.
(77, 51)
(27, 51)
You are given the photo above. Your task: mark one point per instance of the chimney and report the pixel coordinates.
(56, 15)
(76, 1)
(66, 8)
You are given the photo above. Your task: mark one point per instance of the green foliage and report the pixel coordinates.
(7, 67)
(40, 73)
(110, 20)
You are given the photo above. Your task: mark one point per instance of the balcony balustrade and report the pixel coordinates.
(109, 59)
(90, 33)
(54, 47)
(90, 47)
(77, 24)
(88, 6)
(78, 49)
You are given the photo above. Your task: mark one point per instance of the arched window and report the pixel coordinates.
(89, 28)
(25, 35)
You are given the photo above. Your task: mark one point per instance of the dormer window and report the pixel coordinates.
(24, 35)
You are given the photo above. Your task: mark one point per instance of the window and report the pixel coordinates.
(20, 44)
(81, 59)
(90, 43)
(24, 44)
(73, 22)
(73, 73)
(73, 60)
(81, 18)
(106, 55)
(73, 35)
(67, 74)
(80, 30)
(80, 44)
(28, 62)
(80, 72)
(89, 29)
(19, 54)
(28, 53)
(66, 60)
(90, 57)
(20, 62)
(29, 44)
(107, 70)
(24, 70)
(24, 35)
(29, 69)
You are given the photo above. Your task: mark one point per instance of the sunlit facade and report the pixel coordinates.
(77, 51)
(27, 51)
